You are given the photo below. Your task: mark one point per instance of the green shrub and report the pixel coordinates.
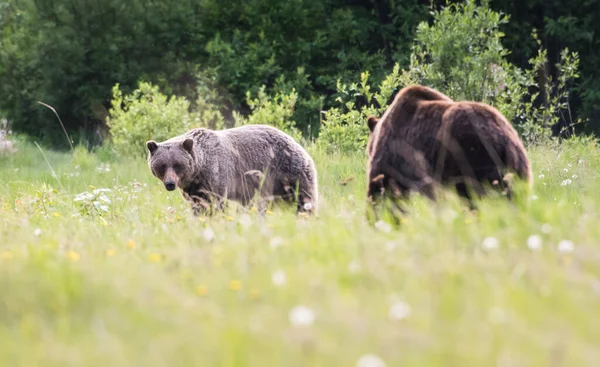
(148, 114)
(276, 111)
(143, 115)
(460, 54)
(345, 129)
(536, 123)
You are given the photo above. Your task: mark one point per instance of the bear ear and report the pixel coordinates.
(372, 122)
(152, 146)
(188, 144)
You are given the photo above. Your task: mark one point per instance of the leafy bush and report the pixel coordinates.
(345, 129)
(275, 111)
(143, 115)
(147, 114)
(460, 54)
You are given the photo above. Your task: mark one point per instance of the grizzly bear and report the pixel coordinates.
(425, 139)
(239, 164)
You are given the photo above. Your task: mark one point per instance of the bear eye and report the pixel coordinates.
(177, 166)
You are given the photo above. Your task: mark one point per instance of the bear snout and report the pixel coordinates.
(170, 185)
(170, 180)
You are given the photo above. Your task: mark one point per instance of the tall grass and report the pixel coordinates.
(139, 281)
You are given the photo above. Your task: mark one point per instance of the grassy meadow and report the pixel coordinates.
(136, 280)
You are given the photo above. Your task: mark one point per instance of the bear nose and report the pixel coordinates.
(170, 185)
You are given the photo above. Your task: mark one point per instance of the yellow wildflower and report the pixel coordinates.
(201, 290)
(235, 285)
(74, 256)
(229, 217)
(56, 214)
(155, 258)
(6, 255)
(110, 252)
(254, 294)
(131, 244)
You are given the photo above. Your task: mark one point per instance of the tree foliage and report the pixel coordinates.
(70, 53)
(460, 54)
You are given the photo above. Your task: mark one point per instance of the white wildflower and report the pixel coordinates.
(103, 167)
(541, 175)
(390, 246)
(566, 246)
(208, 234)
(301, 316)
(245, 220)
(37, 232)
(276, 242)
(546, 228)
(370, 360)
(490, 243)
(354, 266)
(566, 182)
(308, 206)
(534, 242)
(98, 191)
(98, 205)
(399, 310)
(383, 226)
(449, 215)
(279, 278)
(84, 196)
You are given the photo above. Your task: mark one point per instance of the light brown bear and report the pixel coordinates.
(425, 139)
(236, 164)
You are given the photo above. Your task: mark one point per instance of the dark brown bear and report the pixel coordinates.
(425, 139)
(236, 164)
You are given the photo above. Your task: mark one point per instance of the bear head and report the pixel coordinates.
(172, 162)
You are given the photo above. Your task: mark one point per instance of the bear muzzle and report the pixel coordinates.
(170, 180)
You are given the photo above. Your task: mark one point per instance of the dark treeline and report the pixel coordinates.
(69, 53)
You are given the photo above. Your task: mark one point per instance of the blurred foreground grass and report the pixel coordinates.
(138, 281)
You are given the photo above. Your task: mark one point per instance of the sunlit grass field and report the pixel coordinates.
(136, 280)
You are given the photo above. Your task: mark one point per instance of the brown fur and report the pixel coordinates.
(425, 139)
